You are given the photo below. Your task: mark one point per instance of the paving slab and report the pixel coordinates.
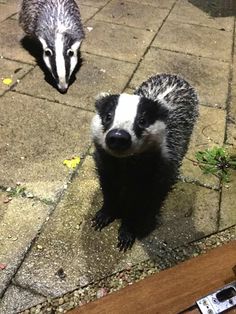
(8, 9)
(93, 3)
(13, 70)
(208, 132)
(209, 77)
(185, 12)
(86, 12)
(17, 299)
(227, 208)
(36, 137)
(15, 234)
(128, 13)
(198, 40)
(10, 47)
(110, 40)
(166, 4)
(96, 75)
(70, 246)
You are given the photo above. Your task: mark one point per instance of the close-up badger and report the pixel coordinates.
(57, 25)
(140, 141)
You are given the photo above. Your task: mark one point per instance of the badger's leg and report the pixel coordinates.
(108, 212)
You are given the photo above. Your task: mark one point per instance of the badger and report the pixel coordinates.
(140, 141)
(57, 25)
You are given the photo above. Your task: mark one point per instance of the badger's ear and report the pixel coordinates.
(106, 102)
(102, 95)
(43, 43)
(76, 45)
(101, 101)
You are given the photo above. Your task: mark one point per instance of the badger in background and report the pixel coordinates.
(57, 25)
(140, 141)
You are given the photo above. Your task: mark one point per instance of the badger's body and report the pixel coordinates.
(140, 141)
(57, 25)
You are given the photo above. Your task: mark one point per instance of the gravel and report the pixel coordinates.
(131, 274)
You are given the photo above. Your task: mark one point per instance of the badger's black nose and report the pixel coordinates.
(118, 140)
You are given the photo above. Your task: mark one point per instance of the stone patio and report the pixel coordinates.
(45, 208)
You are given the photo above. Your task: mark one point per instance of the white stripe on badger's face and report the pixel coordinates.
(125, 112)
(60, 61)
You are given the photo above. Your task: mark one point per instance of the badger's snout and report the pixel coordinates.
(118, 140)
(62, 88)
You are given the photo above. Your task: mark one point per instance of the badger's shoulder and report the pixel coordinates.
(171, 90)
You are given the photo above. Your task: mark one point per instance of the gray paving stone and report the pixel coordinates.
(17, 299)
(86, 11)
(166, 4)
(209, 132)
(227, 208)
(36, 138)
(85, 255)
(10, 47)
(7, 9)
(13, 70)
(185, 12)
(96, 75)
(15, 234)
(194, 208)
(128, 13)
(209, 77)
(193, 39)
(116, 41)
(93, 3)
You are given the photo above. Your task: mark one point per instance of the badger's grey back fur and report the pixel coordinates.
(57, 25)
(43, 18)
(182, 103)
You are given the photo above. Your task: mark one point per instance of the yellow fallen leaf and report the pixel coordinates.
(72, 163)
(7, 81)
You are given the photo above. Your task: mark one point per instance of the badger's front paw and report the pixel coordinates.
(101, 220)
(125, 239)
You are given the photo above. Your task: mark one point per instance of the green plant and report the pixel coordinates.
(16, 191)
(216, 161)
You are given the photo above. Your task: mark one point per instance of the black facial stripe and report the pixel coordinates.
(147, 114)
(106, 107)
(67, 64)
(53, 66)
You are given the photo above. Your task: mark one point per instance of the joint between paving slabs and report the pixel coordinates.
(229, 93)
(148, 47)
(53, 101)
(10, 88)
(99, 9)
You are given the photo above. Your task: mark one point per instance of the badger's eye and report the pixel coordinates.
(48, 52)
(142, 122)
(107, 118)
(70, 53)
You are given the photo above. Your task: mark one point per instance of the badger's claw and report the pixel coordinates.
(125, 240)
(101, 220)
